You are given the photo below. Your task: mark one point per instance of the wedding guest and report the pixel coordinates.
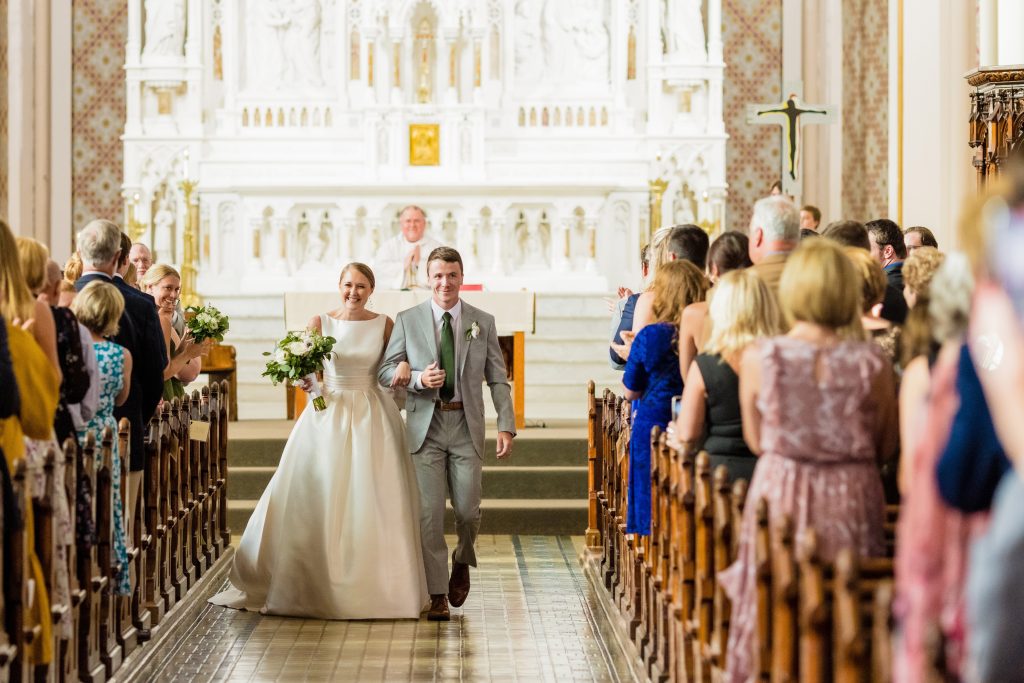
(163, 283)
(72, 271)
(918, 270)
(810, 218)
(917, 237)
(74, 386)
(818, 407)
(652, 378)
(873, 284)
(50, 293)
(400, 262)
(932, 538)
(728, 252)
(742, 311)
(17, 301)
(622, 313)
(680, 243)
(139, 332)
(888, 248)
(141, 257)
(849, 234)
(774, 234)
(100, 306)
(776, 189)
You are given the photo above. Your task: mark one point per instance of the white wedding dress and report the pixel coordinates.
(336, 534)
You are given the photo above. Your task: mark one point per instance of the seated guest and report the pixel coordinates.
(873, 285)
(819, 410)
(652, 379)
(917, 237)
(74, 385)
(99, 306)
(932, 538)
(888, 248)
(742, 311)
(401, 261)
(164, 284)
(729, 252)
(810, 218)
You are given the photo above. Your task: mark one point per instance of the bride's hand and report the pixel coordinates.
(305, 384)
(403, 373)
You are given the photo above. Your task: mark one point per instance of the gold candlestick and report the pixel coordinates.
(135, 228)
(189, 295)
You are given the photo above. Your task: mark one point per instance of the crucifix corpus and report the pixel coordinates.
(792, 114)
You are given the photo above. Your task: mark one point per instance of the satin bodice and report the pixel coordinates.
(357, 352)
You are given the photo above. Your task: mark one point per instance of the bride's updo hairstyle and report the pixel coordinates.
(363, 270)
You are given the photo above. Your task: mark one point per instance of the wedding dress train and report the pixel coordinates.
(336, 533)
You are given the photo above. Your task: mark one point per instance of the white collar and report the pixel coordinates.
(439, 312)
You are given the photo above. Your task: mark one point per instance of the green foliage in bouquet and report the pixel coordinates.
(297, 355)
(206, 323)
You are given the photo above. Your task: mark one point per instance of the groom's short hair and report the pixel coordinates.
(446, 254)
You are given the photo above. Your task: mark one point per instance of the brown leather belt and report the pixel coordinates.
(454, 405)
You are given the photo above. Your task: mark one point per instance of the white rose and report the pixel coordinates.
(297, 348)
(279, 356)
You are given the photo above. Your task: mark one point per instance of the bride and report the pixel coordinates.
(336, 534)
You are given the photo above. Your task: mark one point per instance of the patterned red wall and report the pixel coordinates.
(865, 109)
(97, 109)
(752, 42)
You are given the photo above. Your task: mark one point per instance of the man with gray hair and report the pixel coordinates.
(774, 234)
(99, 245)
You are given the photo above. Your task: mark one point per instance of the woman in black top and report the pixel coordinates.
(742, 311)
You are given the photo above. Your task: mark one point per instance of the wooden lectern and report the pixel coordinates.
(514, 314)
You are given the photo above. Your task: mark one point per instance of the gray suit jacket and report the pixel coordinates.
(479, 360)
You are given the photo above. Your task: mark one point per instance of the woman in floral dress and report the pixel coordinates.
(99, 307)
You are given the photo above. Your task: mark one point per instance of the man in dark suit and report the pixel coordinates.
(99, 245)
(887, 245)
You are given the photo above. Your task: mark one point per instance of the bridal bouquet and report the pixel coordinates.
(298, 357)
(206, 323)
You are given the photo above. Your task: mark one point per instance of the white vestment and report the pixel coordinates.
(389, 262)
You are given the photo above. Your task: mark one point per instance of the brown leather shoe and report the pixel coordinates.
(458, 584)
(438, 609)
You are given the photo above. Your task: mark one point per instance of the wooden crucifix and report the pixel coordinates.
(792, 114)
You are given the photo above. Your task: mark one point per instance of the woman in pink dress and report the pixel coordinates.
(819, 410)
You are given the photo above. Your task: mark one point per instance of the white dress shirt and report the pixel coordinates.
(389, 261)
(439, 312)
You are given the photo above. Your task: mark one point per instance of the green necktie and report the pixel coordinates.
(447, 357)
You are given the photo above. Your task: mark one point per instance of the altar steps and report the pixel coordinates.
(542, 489)
(569, 348)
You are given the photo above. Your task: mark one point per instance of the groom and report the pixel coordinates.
(452, 348)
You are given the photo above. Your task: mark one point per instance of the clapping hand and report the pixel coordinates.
(622, 350)
(403, 373)
(432, 377)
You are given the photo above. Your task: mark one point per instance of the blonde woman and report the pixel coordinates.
(742, 311)
(99, 307)
(652, 378)
(819, 411)
(17, 304)
(163, 283)
(873, 285)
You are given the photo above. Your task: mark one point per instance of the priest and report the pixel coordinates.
(400, 263)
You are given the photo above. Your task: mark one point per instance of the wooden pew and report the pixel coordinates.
(217, 394)
(595, 454)
(858, 582)
(68, 655)
(177, 504)
(21, 634)
(110, 650)
(91, 580)
(127, 632)
(700, 623)
(154, 504)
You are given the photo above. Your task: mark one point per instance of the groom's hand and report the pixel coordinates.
(432, 377)
(504, 445)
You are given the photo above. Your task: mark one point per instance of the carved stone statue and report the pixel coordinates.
(529, 57)
(163, 231)
(683, 31)
(575, 41)
(294, 55)
(165, 28)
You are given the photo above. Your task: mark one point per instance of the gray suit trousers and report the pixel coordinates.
(448, 460)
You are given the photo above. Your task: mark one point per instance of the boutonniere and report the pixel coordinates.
(473, 331)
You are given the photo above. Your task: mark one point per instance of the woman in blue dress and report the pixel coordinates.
(652, 378)
(99, 307)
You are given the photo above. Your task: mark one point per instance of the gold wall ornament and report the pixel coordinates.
(477, 58)
(189, 295)
(369, 64)
(424, 39)
(353, 56)
(218, 55)
(163, 101)
(453, 64)
(256, 244)
(136, 228)
(631, 55)
(397, 59)
(657, 190)
(424, 144)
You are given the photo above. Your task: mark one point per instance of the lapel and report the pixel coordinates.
(426, 325)
(468, 318)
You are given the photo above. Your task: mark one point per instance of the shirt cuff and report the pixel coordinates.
(417, 376)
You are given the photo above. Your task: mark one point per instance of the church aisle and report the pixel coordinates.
(530, 616)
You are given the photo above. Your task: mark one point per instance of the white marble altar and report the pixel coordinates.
(552, 118)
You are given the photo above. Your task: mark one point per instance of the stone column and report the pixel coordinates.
(590, 235)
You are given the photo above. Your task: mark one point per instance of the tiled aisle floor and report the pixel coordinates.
(530, 616)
